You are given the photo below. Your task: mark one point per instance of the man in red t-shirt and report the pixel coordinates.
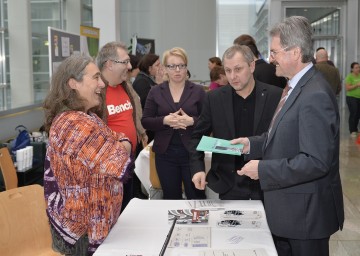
(114, 63)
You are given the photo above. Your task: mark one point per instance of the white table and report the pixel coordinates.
(143, 227)
(142, 170)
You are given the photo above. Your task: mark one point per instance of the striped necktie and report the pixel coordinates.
(280, 105)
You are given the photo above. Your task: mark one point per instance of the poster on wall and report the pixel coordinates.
(61, 45)
(90, 40)
(144, 46)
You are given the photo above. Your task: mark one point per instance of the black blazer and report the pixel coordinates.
(142, 85)
(265, 72)
(217, 117)
(160, 103)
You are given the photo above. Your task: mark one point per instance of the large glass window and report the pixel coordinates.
(44, 14)
(236, 17)
(86, 14)
(4, 54)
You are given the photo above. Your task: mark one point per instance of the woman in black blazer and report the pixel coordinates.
(171, 111)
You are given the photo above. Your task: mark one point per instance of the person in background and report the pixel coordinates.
(134, 71)
(328, 61)
(299, 170)
(217, 78)
(352, 85)
(86, 162)
(149, 67)
(171, 111)
(114, 64)
(141, 132)
(264, 72)
(243, 108)
(188, 75)
(330, 73)
(214, 61)
(142, 138)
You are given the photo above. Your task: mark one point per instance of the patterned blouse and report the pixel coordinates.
(84, 171)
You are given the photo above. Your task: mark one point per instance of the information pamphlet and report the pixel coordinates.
(190, 237)
(219, 146)
(189, 216)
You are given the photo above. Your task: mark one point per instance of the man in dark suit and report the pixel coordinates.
(299, 170)
(244, 107)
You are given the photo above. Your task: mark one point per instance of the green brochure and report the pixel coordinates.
(219, 146)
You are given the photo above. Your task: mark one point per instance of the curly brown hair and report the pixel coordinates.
(61, 96)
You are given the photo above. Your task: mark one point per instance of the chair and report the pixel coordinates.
(24, 224)
(8, 169)
(155, 188)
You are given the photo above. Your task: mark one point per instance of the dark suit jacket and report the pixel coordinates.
(160, 103)
(265, 72)
(300, 171)
(217, 117)
(142, 85)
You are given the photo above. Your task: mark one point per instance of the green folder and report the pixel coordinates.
(219, 146)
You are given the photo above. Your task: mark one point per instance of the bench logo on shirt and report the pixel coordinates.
(120, 108)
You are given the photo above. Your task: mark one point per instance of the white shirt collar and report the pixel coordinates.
(294, 81)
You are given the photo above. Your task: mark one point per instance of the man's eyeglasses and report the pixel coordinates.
(273, 53)
(173, 67)
(125, 62)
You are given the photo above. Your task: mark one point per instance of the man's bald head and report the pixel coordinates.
(321, 55)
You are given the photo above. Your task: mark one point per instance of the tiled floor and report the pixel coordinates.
(347, 241)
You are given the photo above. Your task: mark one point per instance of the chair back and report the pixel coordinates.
(25, 228)
(8, 169)
(154, 178)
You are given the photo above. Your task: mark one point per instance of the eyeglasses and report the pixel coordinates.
(174, 67)
(125, 62)
(273, 53)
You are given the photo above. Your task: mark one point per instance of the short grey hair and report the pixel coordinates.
(295, 31)
(243, 49)
(109, 52)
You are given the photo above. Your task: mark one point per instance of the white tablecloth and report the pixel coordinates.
(143, 227)
(142, 170)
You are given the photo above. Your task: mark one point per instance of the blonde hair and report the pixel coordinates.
(176, 51)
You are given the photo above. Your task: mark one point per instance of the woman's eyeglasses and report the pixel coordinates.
(174, 67)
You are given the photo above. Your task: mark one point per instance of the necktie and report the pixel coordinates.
(280, 105)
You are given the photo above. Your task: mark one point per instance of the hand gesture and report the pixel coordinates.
(199, 180)
(185, 119)
(245, 142)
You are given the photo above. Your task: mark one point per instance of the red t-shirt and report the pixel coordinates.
(120, 113)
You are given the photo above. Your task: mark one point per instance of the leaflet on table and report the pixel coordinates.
(241, 214)
(219, 146)
(190, 237)
(189, 216)
(236, 252)
(212, 205)
(236, 223)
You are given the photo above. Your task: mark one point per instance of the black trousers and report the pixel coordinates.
(354, 113)
(295, 247)
(173, 169)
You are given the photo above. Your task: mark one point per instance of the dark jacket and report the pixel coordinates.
(160, 103)
(217, 117)
(142, 85)
(299, 173)
(265, 72)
